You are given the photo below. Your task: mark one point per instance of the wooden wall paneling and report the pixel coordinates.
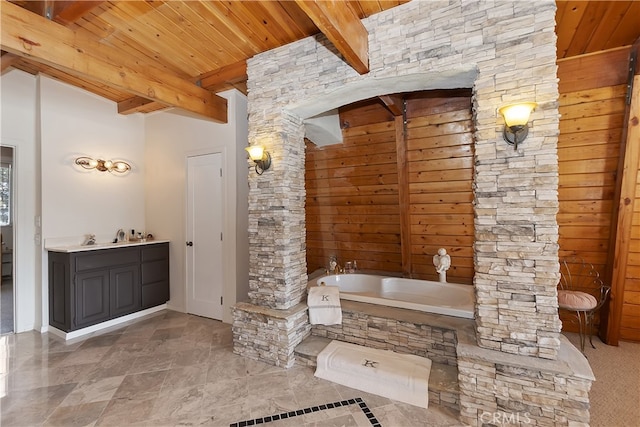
(352, 205)
(440, 173)
(355, 190)
(403, 193)
(626, 265)
(591, 126)
(591, 71)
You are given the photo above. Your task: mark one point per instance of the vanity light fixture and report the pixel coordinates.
(103, 165)
(260, 156)
(516, 119)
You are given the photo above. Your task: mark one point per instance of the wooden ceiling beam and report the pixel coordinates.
(343, 28)
(228, 74)
(68, 12)
(7, 60)
(393, 103)
(224, 77)
(134, 105)
(25, 34)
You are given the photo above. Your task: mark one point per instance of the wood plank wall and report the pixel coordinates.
(352, 208)
(353, 193)
(440, 166)
(630, 325)
(592, 90)
(630, 319)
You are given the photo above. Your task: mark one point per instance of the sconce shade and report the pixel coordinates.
(517, 114)
(103, 165)
(260, 156)
(516, 118)
(255, 152)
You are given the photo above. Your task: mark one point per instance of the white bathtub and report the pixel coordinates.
(451, 299)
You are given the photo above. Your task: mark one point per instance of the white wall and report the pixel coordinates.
(18, 129)
(76, 201)
(170, 139)
(39, 113)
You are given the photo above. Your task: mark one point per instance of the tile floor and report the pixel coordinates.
(173, 369)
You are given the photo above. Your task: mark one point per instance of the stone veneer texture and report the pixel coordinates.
(508, 49)
(269, 335)
(511, 392)
(437, 344)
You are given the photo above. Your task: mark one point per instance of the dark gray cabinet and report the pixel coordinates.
(87, 288)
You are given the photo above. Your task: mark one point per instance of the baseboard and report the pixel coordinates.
(102, 326)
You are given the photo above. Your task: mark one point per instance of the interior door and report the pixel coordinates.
(204, 235)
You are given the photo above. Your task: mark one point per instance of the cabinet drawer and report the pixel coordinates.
(155, 294)
(155, 252)
(107, 258)
(155, 271)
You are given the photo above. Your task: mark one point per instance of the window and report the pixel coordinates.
(5, 194)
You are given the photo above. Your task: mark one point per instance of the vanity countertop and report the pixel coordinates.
(99, 246)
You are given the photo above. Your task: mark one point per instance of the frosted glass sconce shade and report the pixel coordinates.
(516, 118)
(260, 156)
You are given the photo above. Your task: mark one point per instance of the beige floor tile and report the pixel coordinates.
(171, 369)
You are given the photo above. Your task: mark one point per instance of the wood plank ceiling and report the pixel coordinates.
(194, 45)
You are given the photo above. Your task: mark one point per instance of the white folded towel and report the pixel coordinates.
(402, 377)
(324, 305)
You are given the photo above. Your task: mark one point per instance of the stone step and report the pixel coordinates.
(443, 379)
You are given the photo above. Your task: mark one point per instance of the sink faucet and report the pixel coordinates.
(90, 240)
(120, 236)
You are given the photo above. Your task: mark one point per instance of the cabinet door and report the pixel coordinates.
(60, 310)
(92, 298)
(155, 275)
(125, 290)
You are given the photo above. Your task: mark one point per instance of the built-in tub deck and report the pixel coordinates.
(402, 330)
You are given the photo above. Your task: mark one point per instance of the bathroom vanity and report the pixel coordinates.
(89, 285)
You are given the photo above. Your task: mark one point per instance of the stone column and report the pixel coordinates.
(276, 320)
(277, 257)
(516, 197)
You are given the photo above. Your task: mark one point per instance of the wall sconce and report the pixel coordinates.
(516, 117)
(260, 156)
(103, 165)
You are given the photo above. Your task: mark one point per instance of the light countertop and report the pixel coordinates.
(99, 246)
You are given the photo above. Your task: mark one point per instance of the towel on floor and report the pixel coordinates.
(402, 377)
(324, 305)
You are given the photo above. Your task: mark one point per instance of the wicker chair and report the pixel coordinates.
(581, 292)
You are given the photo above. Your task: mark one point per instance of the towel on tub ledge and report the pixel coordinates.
(324, 305)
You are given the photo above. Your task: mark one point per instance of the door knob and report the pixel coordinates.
(189, 243)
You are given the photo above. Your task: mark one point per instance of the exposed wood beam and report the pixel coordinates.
(68, 12)
(64, 12)
(393, 104)
(7, 60)
(343, 28)
(229, 74)
(26, 34)
(134, 105)
(214, 80)
(403, 196)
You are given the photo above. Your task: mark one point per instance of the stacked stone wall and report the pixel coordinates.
(550, 394)
(437, 344)
(505, 51)
(269, 335)
(510, 48)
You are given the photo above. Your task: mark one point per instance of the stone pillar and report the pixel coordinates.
(276, 319)
(515, 192)
(277, 257)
